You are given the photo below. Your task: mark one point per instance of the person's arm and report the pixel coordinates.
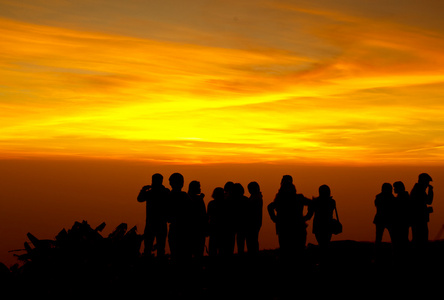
(430, 195)
(142, 197)
(259, 212)
(310, 208)
(272, 211)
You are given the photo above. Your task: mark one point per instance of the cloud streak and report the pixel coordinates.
(341, 87)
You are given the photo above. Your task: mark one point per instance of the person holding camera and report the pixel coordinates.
(421, 196)
(155, 196)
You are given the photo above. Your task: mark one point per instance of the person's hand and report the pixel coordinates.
(146, 187)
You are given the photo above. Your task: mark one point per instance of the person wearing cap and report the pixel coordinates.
(421, 196)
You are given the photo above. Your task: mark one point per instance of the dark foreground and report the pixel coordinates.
(351, 271)
(93, 266)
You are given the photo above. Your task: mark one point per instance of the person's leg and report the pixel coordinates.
(161, 239)
(148, 240)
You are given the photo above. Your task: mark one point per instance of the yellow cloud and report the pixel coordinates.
(71, 92)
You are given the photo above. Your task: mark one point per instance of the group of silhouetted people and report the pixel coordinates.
(398, 214)
(290, 211)
(231, 218)
(234, 218)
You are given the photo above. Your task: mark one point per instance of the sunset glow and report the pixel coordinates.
(331, 87)
(96, 96)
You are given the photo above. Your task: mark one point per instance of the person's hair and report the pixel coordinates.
(176, 180)
(194, 187)
(156, 179)
(286, 178)
(218, 193)
(253, 187)
(386, 188)
(324, 191)
(399, 186)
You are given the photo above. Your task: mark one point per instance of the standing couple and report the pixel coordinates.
(287, 212)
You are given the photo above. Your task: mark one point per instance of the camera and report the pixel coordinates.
(146, 187)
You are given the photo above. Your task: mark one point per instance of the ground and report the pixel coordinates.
(352, 268)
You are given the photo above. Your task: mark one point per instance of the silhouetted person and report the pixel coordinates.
(287, 211)
(253, 218)
(155, 196)
(179, 213)
(384, 203)
(421, 196)
(401, 219)
(198, 218)
(323, 207)
(240, 216)
(230, 219)
(216, 222)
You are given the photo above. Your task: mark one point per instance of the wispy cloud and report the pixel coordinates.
(340, 86)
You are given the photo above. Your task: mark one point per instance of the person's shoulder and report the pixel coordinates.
(301, 197)
(184, 195)
(214, 203)
(258, 197)
(272, 204)
(415, 190)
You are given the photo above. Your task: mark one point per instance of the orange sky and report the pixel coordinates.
(223, 82)
(45, 196)
(343, 83)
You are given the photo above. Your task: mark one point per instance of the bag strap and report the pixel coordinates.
(336, 211)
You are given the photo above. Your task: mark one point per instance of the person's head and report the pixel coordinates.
(238, 190)
(176, 181)
(218, 193)
(253, 188)
(324, 191)
(398, 187)
(156, 179)
(424, 179)
(386, 188)
(286, 179)
(194, 187)
(228, 188)
(287, 187)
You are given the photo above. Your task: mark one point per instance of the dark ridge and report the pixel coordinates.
(81, 262)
